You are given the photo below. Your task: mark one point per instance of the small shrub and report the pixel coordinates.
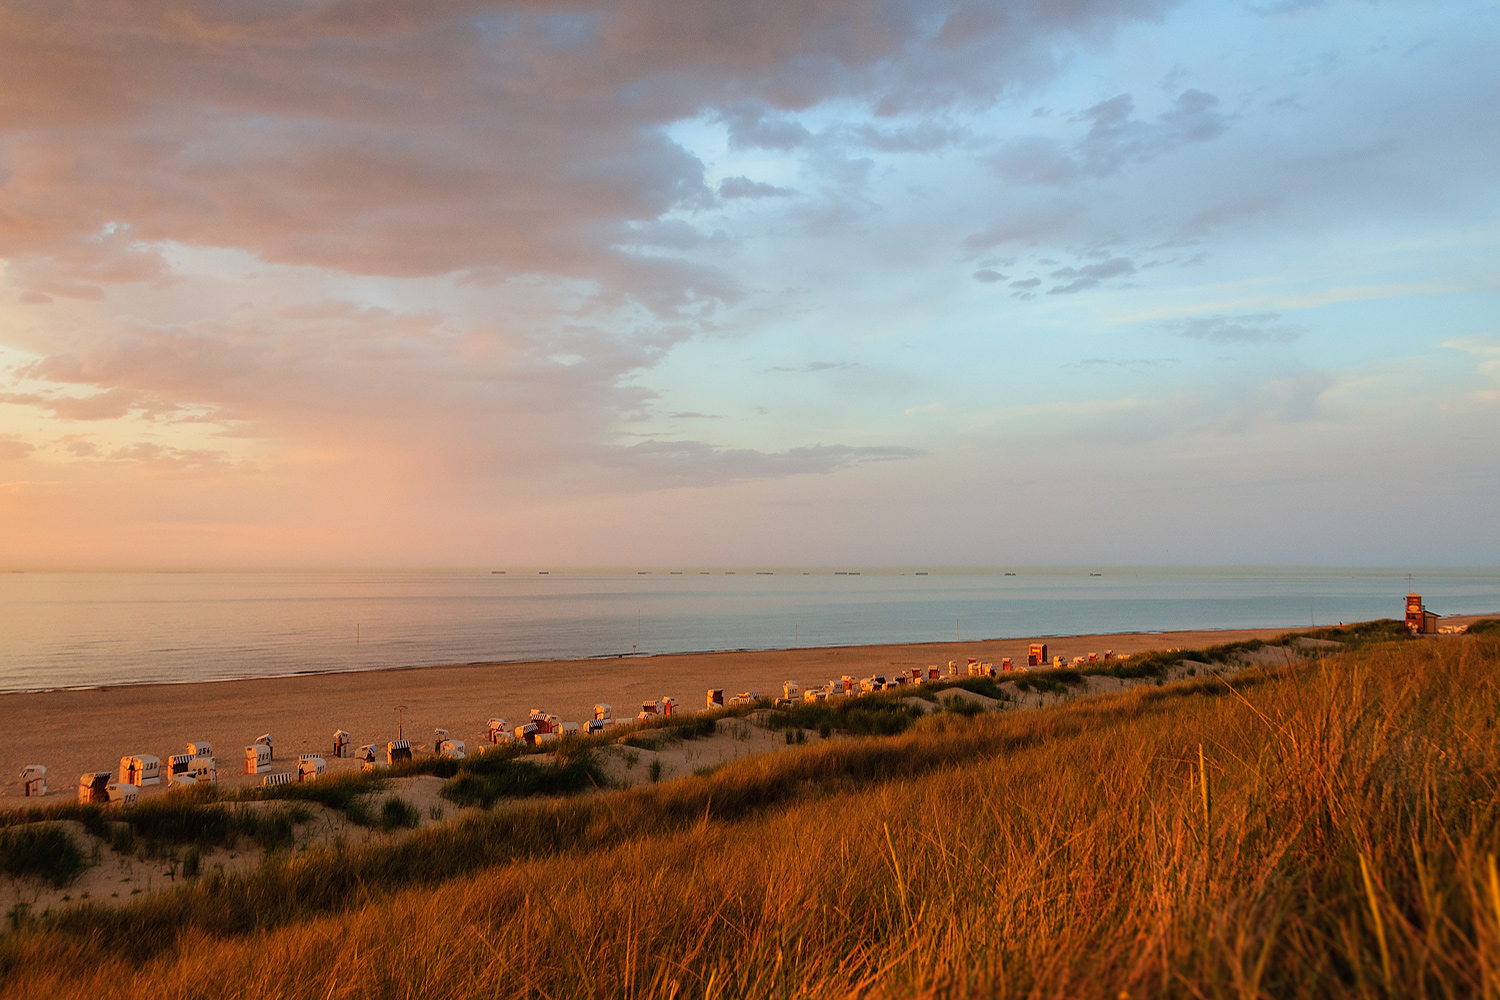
(801, 735)
(490, 778)
(19, 916)
(867, 715)
(358, 813)
(48, 853)
(398, 813)
(122, 838)
(962, 706)
(346, 793)
(825, 729)
(273, 828)
(656, 770)
(192, 861)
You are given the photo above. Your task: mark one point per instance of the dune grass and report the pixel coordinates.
(1324, 829)
(43, 851)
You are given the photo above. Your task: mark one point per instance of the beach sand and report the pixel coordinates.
(90, 730)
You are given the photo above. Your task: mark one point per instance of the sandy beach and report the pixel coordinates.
(90, 730)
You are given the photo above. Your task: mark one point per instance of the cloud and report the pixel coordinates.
(1090, 275)
(924, 137)
(988, 276)
(467, 137)
(106, 405)
(744, 187)
(753, 125)
(697, 463)
(1487, 349)
(1247, 328)
(13, 448)
(79, 446)
(1114, 138)
(815, 366)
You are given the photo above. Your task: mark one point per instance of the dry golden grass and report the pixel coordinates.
(1328, 831)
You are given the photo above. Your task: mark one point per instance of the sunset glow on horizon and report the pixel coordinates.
(1109, 282)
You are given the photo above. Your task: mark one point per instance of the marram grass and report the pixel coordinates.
(1327, 829)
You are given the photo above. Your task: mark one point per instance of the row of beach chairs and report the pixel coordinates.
(198, 765)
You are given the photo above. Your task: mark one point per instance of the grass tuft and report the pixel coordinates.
(45, 852)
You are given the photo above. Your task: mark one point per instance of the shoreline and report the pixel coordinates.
(72, 731)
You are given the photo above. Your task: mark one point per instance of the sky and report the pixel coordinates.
(299, 283)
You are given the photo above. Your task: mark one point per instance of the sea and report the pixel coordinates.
(79, 630)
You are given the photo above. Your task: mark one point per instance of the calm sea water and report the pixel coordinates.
(88, 629)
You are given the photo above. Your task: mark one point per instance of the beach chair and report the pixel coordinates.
(604, 713)
(1036, 655)
(527, 734)
(257, 758)
(276, 780)
(340, 743)
(452, 749)
(566, 729)
(668, 705)
(121, 793)
(1004, 664)
(205, 771)
(310, 766)
(264, 739)
(715, 698)
(33, 781)
(140, 770)
(92, 787)
(790, 690)
(180, 770)
(397, 750)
